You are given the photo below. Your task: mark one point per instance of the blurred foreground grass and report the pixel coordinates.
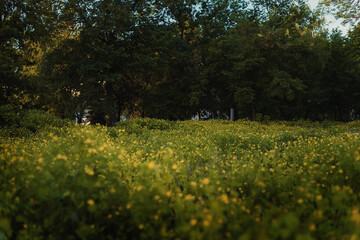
(155, 179)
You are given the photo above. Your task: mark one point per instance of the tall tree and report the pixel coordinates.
(354, 49)
(89, 67)
(25, 29)
(349, 10)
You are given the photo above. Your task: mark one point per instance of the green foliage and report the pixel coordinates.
(168, 59)
(14, 131)
(9, 115)
(346, 9)
(35, 120)
(26, 122)
(198, 180)
(142, 124)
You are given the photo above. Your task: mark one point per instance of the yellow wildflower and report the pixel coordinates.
(91, 202)
(312, 227)
(89, 171)
(206, 181)
(224, 198)
(193, 222)
(355, 216)
(189, 197)
(151, 165)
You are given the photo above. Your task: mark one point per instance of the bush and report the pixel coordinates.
(9, 115)
(15, 132)
(35, 120)
(142, 124)
(202, 180)
(27, 122)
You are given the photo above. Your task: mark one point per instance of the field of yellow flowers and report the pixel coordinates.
(155, 179)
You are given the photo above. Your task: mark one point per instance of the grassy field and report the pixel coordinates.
(154, 179)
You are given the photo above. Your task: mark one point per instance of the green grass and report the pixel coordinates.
(153, 179)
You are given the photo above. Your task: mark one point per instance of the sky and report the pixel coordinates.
(332, 23)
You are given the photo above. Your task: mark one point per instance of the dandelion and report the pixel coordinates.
(128, 205)
(63, 157)
(354, 237)
(189, 197)
(101, 148)
(355, 216)
(193, 222)
(92, 150)
(224, 198)
(318, 214)
(89, 171)
(261, 184)
(206, 223)
(357, 156)
(206, 181)
(91, 202)
(151, 165)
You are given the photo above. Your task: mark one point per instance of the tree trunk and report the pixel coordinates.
(253, 113)
(119, 108)
(340, 110)
(110, 102)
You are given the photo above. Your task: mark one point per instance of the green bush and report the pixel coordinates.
(195, 180)
(35, 120)
(15, 132)
(142, 124)
(9, 115)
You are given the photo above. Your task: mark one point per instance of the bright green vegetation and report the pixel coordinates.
(155, 179)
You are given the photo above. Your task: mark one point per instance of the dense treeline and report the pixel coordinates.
(168, 59)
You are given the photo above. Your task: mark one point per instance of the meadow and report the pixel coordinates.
(156, 179)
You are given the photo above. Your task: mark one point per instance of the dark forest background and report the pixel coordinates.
(168, 59)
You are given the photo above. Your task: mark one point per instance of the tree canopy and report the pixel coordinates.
(169, 59)
(348, 10)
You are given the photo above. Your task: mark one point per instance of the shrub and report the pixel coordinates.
(195, 180)
(9, 115)
(35, 120)
(139, 125)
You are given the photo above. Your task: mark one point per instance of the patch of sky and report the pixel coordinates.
(331, 22)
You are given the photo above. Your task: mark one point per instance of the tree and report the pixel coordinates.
(254, 65)
(349, 10)
(169, 93)
(353, 45)
(168, 59)
(89, 68)
(24, 30)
